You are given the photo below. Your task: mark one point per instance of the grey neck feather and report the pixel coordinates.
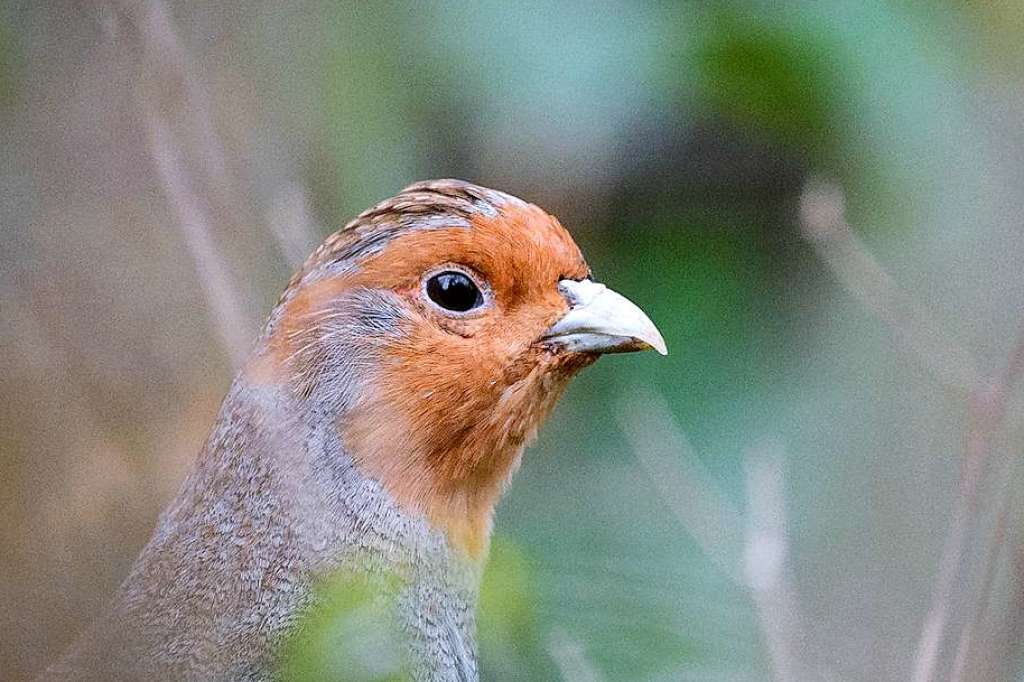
(274, 502)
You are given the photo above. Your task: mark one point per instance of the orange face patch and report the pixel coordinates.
(463, 396)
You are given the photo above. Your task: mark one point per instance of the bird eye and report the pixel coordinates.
(455, 291)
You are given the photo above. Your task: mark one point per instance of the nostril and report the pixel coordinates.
(579, 293)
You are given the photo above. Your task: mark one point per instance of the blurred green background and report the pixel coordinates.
(674, 140)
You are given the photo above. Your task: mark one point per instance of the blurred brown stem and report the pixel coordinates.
(167, 85)
(173, 84)
(570, 658)
(681, 480)
(824, 223)
(756, 561)
(991, 560)
(213, 275)
(767, 548)
(985, 415)
(999, 395)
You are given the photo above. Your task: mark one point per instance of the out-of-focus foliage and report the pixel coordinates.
(674, 140)
(509, 632)
(351, 633)
(772, 77)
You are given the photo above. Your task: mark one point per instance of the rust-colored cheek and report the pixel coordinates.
(446, 426)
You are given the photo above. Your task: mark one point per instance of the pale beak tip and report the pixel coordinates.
(658, 344)
(652, 338)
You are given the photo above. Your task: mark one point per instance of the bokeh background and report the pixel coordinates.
(819, 204)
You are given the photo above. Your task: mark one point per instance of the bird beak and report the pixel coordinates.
(602, 321)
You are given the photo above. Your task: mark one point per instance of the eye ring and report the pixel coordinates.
(454, 291)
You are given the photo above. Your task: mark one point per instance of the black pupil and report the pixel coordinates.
(454, 291)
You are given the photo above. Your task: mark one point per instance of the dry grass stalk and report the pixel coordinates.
(755, 560)
(168, 87)
(824, 223)
(571, 659)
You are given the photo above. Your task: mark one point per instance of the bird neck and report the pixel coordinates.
(274, 503)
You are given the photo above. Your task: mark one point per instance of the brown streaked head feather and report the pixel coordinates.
(419, 206)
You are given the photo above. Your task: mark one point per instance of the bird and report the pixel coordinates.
(372, 429)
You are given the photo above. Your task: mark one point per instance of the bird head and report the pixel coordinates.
(436, 331)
